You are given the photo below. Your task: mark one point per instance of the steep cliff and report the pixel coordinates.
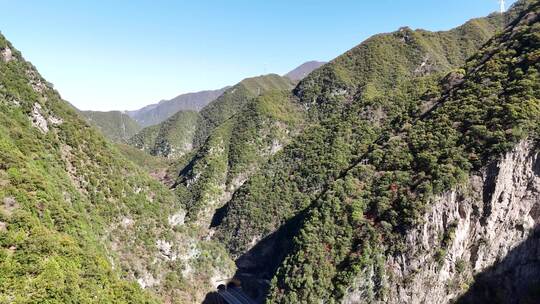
(485, 231)
(390, 129)
(352, 101)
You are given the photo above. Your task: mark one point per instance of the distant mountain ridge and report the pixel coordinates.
(159, 112)
(303, 70)
(186, 130)
(119, 126)
(115, 125)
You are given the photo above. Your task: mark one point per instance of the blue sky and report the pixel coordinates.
(124, 54)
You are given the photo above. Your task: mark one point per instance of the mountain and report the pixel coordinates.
(350, 101)
(406, 170)
(234, 99)
(79, 223)
(234, 151)
(303, 70)
(298, 218)
(115, 125)
(156, 113)
(172, 138)
(187, 129)
(391, 214)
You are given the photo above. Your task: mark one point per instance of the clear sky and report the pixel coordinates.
(124, 54)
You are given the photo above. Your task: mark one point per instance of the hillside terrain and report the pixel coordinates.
(235, 150)
(187, 130)
(476, 115)
(177, 129)
(78, 222)
(351, 101)
(346, 97)
(171, 138)
(115, 125)
(406, 170)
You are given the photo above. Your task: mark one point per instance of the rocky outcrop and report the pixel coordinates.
(486, 230)
(7, 55)
(38, 120)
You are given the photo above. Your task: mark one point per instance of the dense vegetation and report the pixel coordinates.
(352, 101)
(376, 155)
(115, 125)
(494, 103)
(78, 222)
(337, 171)
(188, 130)
(151, 164)
(235, 150)
(145, 140)
(172, 138)
(233, 100)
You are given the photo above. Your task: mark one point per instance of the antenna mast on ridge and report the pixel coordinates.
(503, 7)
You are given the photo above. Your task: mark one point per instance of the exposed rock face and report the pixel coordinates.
(9, 205)
(487, 226)
(38, 120)
(147, 280)
(177, 218)
(36, 81)
(166, 250)
(127, 222)
(7, 55)
(513, 280)
(55, 120)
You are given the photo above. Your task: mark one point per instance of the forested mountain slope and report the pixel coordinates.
(172, 138)
(359, 100)
(352, 101)
(78, 222)
(234, 99)
(235, 150)
(406, 170)
(115, 125)
(187, 130)
(483, 112)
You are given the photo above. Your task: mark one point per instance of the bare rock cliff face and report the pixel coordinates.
(478, 244)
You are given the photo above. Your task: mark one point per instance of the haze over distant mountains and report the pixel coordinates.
(186, 130)
(156, 113)
(303, 70)
(121, 126)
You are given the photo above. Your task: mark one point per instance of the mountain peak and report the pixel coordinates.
(304, 69)
(156, 113)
